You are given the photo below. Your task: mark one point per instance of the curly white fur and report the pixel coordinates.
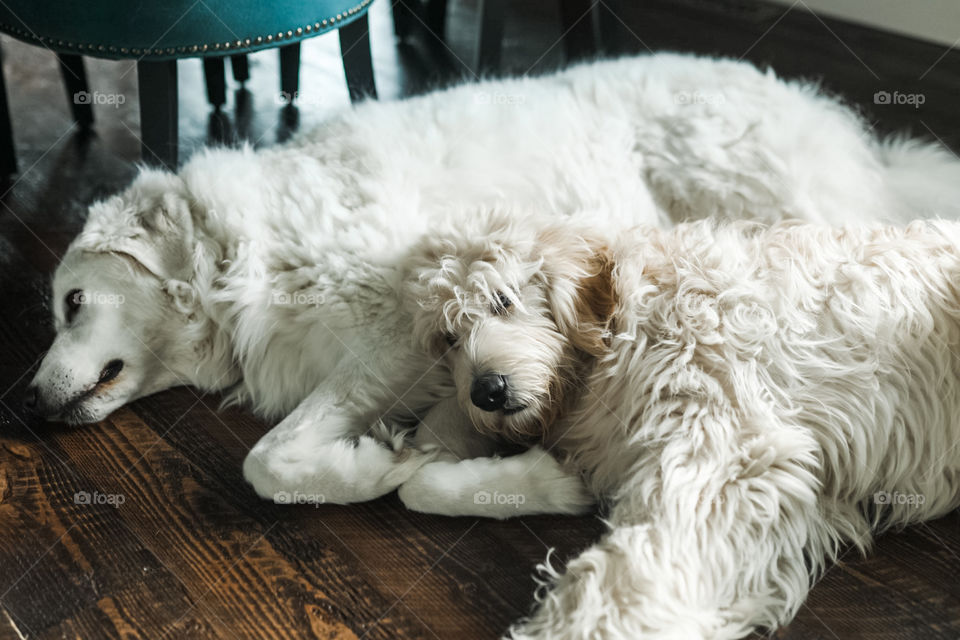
(746, 400)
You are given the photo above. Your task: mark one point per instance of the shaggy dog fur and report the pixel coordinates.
(273, 276)
(746, 399)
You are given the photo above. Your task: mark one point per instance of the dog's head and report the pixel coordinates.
(120, 302)
(519, 311)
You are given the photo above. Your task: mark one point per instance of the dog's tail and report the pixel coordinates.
(923, 178)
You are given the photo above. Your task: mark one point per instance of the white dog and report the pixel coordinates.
(746, 399)
(273, 276)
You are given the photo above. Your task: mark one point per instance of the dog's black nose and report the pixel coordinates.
(30, 399)
(489, 392)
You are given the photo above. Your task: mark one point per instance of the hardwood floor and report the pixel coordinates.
(141, 526)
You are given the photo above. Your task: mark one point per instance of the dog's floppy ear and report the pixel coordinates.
(579, 271)
(150, 222)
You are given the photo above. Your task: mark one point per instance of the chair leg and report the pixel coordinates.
(576, 23)
(78, 93)
(435, 17)
(158, 112)
(290, 71)
(8, 154)
(241, 68)
(402, 17)
(490, 37)
(216, 80)
(357, 59)
(611, 28)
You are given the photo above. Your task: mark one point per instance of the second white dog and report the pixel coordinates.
(746, 399)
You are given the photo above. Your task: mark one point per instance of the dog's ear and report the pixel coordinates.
(582, 297)
(150, 223)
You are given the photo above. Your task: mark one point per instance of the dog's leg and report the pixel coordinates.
(323, 452)
(708, 545)
(466, 480)
(530, 483)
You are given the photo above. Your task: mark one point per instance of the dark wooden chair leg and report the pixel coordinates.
(490, 37)
(576, 24)
(435, 17)
(403, 17)
(158, 112)
(613, 33)
(8, 154)
(357, 59)
(290, 71)
(241, 68)
(215, 76)
(78, 92)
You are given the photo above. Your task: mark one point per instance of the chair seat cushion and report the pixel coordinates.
(165, 29)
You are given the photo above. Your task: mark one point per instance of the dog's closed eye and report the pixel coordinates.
(451, 339)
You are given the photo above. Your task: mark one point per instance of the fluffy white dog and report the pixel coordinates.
(273, 276)
(746, 399)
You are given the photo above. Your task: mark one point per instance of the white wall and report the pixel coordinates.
(935, 20)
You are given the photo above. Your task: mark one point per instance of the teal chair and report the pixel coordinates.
(157, 33)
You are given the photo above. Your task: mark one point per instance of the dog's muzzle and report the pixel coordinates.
(40, 404)
(35, 404)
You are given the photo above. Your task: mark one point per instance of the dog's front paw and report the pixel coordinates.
(570, 496)
(257, 473)
(563, 491)
(419, 494)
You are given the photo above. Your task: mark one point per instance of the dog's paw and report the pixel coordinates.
(260, 477)
(563, 492)
(420, 494)
(570, 496)
(341, 471)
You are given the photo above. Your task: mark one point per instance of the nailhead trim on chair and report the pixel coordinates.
(196, 48)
